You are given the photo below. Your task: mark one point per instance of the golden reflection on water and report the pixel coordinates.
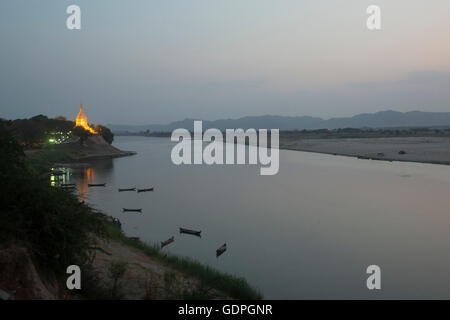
(62, 176)
(87, 175)
(80, 176)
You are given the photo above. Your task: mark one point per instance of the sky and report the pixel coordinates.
(147, 62)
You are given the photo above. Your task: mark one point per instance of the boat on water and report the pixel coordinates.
(189, 231)
(145, 190)
(221, 250)
(68, 188)
(168, 241)
(127, 189)
(96, 184)
(67, 184)
(57, 173)
(131, 210)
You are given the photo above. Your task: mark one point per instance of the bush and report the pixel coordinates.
(105, 133)
(82, 133)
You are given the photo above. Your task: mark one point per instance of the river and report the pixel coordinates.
(308, 232)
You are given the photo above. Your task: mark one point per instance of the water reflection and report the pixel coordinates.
(59, 176)
(85, 176)
(80, 175)
(96, 173)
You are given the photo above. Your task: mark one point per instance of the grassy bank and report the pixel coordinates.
(231, 286)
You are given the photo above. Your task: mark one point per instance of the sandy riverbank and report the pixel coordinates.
(416, 149)
(145, 277)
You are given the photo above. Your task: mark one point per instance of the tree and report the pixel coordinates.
(105, 132)
(35, 130)
(82, 133)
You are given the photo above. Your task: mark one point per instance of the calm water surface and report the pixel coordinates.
(308, 232)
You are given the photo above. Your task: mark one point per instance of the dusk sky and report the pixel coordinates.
(144, 62)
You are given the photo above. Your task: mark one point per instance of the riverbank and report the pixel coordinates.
(149, 273)
(71, 154)
(121, 268)
(410, 149)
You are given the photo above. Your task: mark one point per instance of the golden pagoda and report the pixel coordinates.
(81, 121)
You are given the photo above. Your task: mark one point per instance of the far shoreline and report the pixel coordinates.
(418, 149)
(431, 150)
(444, 163)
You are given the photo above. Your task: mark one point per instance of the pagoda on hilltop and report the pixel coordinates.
(81, 121)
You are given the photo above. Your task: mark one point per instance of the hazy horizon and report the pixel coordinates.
(148, 62)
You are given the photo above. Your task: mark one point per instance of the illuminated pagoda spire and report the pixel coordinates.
(81, 121)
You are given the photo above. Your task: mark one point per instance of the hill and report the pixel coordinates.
(382, 119)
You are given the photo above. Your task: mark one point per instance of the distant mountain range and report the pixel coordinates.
(382, 119)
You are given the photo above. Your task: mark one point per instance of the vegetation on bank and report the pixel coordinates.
(55, 227)
(349, 133)
(58, 230)
(36, 132)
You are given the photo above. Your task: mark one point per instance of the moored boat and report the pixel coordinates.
(127, 189)
(57, 172)
(189, 231)
(131, 210)
(68, 188)
(96, 184)
(145, 190)
(168, 241)
(221, 250)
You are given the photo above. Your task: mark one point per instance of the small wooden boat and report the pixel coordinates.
(69, 188)
(193, 232)
(57, 172)
(96, 184)
(127, 189)
(168, 241)
(221, 250)
(67, 184)
(145, 190)
(131, 210)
